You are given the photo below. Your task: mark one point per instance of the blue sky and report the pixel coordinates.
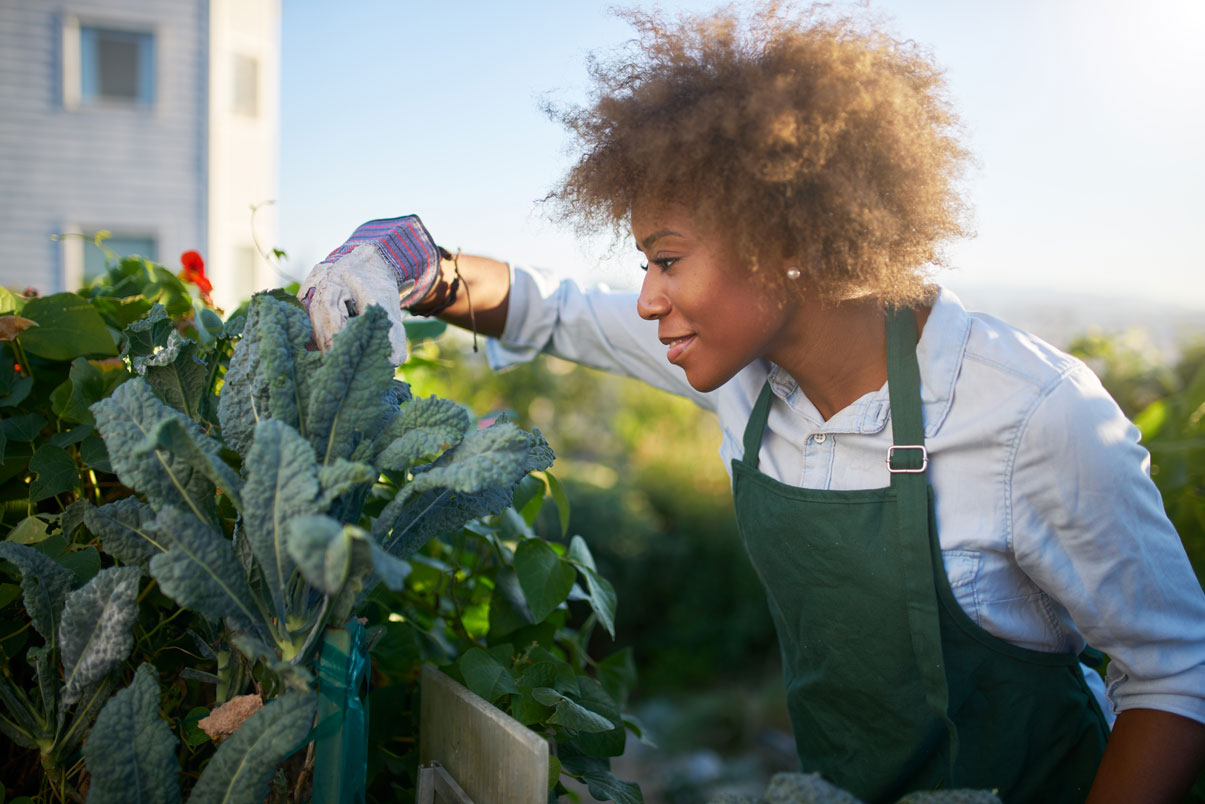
(1086, 117)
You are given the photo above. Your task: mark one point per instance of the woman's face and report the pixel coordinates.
(713, 318)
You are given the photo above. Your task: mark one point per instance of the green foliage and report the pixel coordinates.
(313, 486)
(241, 771)
(1167, 403)
(520, 644)
(130, 751)
(96, 625)
(62, 353)
(67, 327)
(651, 499)
(87, 630)
(545, 580)
(303, 422)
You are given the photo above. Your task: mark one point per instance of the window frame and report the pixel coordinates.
(73, 62)
(76, 238)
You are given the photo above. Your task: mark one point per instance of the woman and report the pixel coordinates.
(944, 510)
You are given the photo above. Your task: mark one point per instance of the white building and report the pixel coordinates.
(155, 120)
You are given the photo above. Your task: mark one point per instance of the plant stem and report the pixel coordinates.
(22, 358)
(95, 484)
(14, 633)
(313, 635)
(162, 623)
(306, 770)
(146, 591)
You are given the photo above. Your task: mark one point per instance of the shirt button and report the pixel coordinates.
(819, 438)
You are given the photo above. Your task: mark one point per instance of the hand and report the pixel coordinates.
(392, 263)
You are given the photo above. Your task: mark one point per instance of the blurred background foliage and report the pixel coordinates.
(1165, 397)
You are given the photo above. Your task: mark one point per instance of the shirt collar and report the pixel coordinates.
(939, 355)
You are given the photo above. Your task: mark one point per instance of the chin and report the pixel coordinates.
(706, 384)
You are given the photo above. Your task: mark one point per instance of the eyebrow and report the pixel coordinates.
(648, 241)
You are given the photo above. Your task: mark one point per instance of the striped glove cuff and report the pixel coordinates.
(406, 246)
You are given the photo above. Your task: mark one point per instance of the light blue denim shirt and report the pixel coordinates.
(1051, 530)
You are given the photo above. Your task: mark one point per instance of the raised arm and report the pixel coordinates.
(394, 263)
(471, 293)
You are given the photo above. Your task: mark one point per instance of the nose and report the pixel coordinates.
(652, 302)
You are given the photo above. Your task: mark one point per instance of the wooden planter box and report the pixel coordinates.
(472, 752)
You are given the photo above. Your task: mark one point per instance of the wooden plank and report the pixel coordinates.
(492, 756)
(436, 786)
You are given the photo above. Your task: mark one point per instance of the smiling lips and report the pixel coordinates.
(677, 346)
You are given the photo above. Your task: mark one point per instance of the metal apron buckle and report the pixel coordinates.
(924, 459)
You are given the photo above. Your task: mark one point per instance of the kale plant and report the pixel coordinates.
(326, 477)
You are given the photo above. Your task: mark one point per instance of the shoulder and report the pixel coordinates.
(1016, 355)
(1020, 372)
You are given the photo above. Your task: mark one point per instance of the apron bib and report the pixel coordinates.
(891, 687)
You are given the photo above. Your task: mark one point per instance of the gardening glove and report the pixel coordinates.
(391, 262)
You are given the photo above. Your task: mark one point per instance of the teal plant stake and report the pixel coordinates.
(341, 732)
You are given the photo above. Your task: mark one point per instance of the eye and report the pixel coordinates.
(664, 263)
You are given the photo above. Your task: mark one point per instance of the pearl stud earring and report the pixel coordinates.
(792, 273)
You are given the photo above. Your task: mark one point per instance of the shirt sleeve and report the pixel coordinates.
(596, 328)
(1090, 529)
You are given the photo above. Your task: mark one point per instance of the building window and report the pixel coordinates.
(246, 85)
(116, 66)
(121, 245)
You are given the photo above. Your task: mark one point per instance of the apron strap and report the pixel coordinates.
(756, 426)
(907, 461)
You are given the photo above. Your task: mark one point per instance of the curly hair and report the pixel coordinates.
(811, 136)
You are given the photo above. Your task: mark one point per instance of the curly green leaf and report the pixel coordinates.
(425, 427)
(124, 530)
(244, 398)
(178, 375)
(95, 635)
(44, 586)
(242, 769)
(349, 389)
(130, 420)
(131, 752)
(200, 570)
(282, 483)
(341, 477)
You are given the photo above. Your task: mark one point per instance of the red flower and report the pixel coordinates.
(194, 271)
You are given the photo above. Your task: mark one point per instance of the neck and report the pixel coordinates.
(837, 353)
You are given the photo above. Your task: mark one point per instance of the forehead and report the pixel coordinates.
(650, 221)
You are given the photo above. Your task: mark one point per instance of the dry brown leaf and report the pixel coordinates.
(13, 325)
(229, 716)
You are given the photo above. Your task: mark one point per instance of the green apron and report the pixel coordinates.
(891, 687)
